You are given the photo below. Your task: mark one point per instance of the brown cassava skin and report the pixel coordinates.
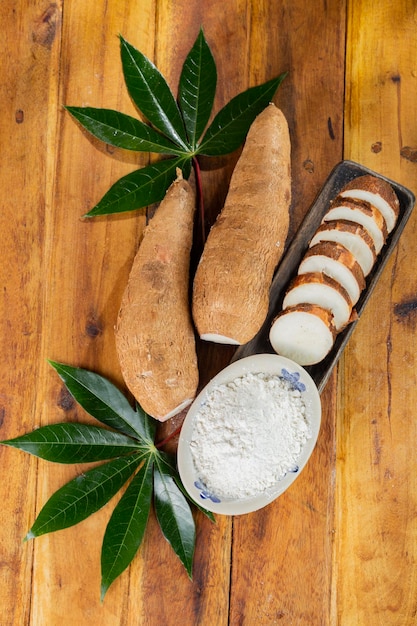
(375, 185)
(337, 252)
(155, 337)
(233, 278)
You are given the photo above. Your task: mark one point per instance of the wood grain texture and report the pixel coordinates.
(291, 540)
(27, 86)
(377, 487)
(339, 548)
(282, 555)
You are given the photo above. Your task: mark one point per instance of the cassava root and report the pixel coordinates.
(155, 337)
(244, 246)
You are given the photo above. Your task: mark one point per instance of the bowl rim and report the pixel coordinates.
(259, 363)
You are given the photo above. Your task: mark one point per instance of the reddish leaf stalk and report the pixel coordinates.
(161, 443)
(200, 197)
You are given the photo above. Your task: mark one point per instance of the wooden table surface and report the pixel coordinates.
(340, 546)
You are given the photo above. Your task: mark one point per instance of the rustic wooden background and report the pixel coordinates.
(340, 547)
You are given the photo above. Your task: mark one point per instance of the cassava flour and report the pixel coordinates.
(248, 434)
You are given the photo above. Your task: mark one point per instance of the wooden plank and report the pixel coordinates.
(27, 86)
(282, 555)
(206, 599)
(87, 264)
(377, 486)
(91, 75)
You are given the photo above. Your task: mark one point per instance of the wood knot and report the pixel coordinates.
(406, 310)
(65, 400)
(409, 153)
(330, 128)
(46, 26)
(93, 328)
(309, 166)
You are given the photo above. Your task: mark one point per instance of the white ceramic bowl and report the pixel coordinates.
(268, 364)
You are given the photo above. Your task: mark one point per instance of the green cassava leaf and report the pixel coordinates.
(231, 124)
(126, 528)
(197, 88)
(74, 443)
(101, 399)
(84, 495)
(172, 468)
(151, 94)
(141, 187)
(122, 131)
(174, 513)
(149, 424)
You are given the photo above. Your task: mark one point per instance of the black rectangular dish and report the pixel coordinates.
(343, 173)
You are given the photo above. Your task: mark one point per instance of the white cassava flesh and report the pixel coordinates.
(338, 262)
(154, 333)
(244, 246)
(378, 192)
(304, 333)
(216, 338)
(325, 292)
(353, 236)
(362, 213)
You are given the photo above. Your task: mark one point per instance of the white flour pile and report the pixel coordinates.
(248, 434)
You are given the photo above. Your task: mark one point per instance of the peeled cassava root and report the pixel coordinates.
(233, 278)
(155, 337)
(319, 301)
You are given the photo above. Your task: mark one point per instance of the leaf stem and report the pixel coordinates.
(161, 443)
(200, 196)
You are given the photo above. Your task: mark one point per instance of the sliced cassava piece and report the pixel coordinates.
(318, 288)
(244, 246)
(319, 302)
(363, 213)
(338, 262)
(304, 333)
(353, 236)
(378, 192)
(154, 333)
